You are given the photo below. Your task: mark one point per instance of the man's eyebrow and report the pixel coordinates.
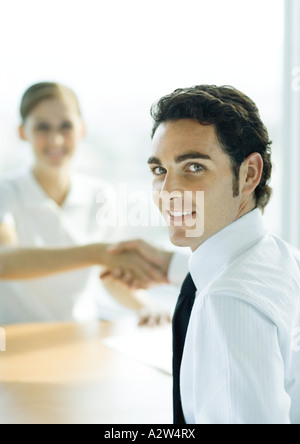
(181, 158)
(154, 161)
(192, 155)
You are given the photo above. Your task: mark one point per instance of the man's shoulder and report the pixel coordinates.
(263, 260)
(293, 251)
(266, 276)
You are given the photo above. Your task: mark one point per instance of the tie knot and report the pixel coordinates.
(188, 286)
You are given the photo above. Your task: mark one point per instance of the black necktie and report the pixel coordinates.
(180, 325)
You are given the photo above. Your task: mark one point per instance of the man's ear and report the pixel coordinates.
(252, 172)
(22, 134)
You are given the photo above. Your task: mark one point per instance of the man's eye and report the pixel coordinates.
(196, 168)
(158, 171)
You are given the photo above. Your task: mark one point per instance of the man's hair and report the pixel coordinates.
(40, 92)
(239, 127)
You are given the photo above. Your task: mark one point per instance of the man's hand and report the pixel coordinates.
(134, 269)
(135, 265)
(157, 261)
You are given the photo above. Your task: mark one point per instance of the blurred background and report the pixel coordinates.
(121, 56)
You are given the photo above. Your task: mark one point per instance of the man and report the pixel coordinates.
(238, 365)
(238, 312)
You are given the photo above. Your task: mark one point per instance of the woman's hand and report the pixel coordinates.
(137, 264)
(132, 268)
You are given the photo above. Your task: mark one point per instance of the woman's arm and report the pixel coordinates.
(18, 264)
(31, 263)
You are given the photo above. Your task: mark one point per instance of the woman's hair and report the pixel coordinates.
(45, 91)
(239, 127)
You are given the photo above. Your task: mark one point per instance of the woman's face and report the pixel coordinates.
(54, 129)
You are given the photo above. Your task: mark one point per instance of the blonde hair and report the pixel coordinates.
(45, 91)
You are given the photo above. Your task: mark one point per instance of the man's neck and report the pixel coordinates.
(244, 209)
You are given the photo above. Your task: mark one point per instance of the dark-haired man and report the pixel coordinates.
(234, 360)
(238, 365)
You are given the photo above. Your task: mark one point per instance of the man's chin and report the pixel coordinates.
(180, 239)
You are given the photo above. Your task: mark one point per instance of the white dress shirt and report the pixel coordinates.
(40, 222)
(240, 363)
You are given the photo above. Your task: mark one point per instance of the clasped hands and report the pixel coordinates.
(137, 265)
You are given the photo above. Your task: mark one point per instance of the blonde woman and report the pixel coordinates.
(48, 222)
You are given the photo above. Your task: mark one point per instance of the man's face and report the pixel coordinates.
(187, 157)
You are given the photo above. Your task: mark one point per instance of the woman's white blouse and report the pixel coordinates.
(40, 222)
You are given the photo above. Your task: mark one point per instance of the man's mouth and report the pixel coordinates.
(181, 214)
(181, 217)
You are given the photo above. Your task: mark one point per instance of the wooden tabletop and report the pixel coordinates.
(61, 373)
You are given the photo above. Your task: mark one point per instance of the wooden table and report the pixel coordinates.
(61, 373)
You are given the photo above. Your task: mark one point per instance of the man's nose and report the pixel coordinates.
(169, 186)
(171, 194)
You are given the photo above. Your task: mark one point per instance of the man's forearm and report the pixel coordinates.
(17, 263)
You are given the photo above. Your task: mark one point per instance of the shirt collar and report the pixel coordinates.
(35, 195)
(215, 254)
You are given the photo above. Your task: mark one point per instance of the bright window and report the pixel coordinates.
(120, 56)
(290, 158)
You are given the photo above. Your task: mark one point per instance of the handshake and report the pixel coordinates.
(136, 264)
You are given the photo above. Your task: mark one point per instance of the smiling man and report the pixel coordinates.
(194, 161)
(239, 306)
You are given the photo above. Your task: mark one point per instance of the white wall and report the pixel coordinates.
(291, 125)
(122, 55)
